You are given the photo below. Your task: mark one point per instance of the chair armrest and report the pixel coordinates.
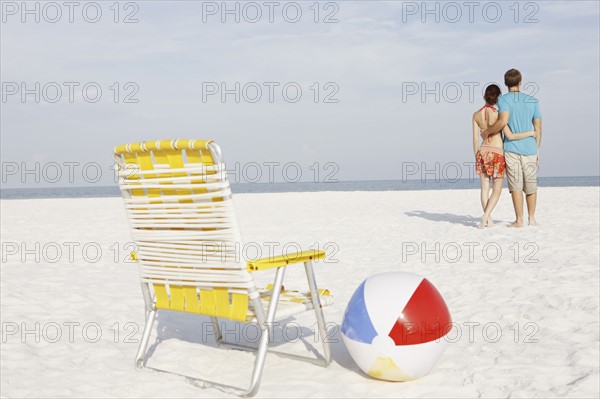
(284, 260)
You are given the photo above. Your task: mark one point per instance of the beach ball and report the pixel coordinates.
(394, 326)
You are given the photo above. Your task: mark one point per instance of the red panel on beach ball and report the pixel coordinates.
(425, 317)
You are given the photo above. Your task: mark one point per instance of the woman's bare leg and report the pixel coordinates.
(485, 190)
(493, 200)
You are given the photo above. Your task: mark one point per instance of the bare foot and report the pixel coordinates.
(481, 224)
(518, 223)
(532, 222)
(490, 222)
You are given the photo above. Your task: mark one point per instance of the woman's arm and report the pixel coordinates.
(517, 136)
(475, 136)
(537, 126)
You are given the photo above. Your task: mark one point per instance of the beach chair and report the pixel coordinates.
(179, 205)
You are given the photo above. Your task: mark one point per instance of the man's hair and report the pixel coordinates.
(492, 92)
(512, 77)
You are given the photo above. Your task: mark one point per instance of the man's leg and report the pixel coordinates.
(514, 174)
(531, 203)
(517, 199)
(530, 168)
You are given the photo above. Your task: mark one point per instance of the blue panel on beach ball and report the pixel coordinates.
(357, 325)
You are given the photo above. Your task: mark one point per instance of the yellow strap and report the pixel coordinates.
(213, 302)
(161, 158)
(207, 303)
(191, 299)
(269, 287)
(239, 307)
(162, 299)
(145, 162)
(222, 302)
(236, 310)
(207, 157)
(132, 159)
(177, 300)
(175, 159)
(194, 156)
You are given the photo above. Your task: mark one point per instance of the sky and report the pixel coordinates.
(346, 90)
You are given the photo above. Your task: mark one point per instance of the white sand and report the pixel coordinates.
(558, 296)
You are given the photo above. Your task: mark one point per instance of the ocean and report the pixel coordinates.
(374, 185)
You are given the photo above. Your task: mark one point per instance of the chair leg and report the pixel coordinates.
(141, 353)
(314, 293)
(148, 301)
(259, 363)
(267, 334)
(217, 329)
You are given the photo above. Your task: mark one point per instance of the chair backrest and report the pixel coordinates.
(178, 201)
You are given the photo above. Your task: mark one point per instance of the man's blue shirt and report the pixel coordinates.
(523, 110)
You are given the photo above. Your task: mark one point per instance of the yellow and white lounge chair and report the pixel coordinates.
(178, 201)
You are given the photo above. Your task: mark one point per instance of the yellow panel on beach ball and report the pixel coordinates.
(384, 368)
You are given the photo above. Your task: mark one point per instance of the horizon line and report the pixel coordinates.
(450, 181)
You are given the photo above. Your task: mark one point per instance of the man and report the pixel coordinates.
(522, 113)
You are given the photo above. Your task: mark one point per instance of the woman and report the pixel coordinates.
(489, 157)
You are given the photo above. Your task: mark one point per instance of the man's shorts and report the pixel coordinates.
(521, 171)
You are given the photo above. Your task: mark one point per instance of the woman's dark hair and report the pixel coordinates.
(492, 92)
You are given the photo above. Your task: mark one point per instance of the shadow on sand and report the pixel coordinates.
(446, 217)
(198, 330)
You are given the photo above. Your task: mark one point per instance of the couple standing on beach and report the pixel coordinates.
(512, 134)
